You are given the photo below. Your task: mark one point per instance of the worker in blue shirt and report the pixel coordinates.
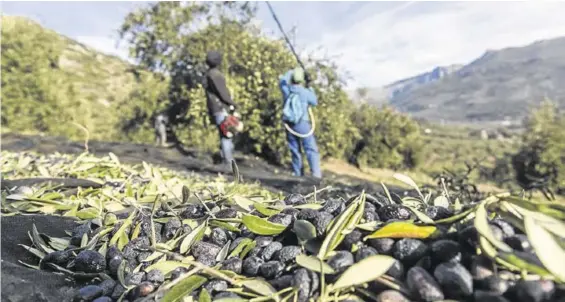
(296, 84)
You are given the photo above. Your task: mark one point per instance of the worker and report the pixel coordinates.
(161, 123)
(219, 102)
(166, 119)
(295, 85)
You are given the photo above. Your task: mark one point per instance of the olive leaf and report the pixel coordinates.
(239, 248)
(304, 230)
(235, 170)
(313, 206)
(185, 194)
(122, 230)
(204, 296)
(314, 264)
(456, 217)
(114, 158)
(441, 201)
(483, 228)
(387, 193)
(347, 220)
(551, 224)
(84, 240)
(546, 247)
(192, 237)
(38, 241)
(487, 248)
(247, 249)
(423, 217)
(407, 180)
(230, 299)
(265, 210)
(122, 273)
(183, 288)
(260, 287)
(364, 271)
(34, 251)
(262, 226)
(156, 255)
(224, 225)
(166, 266)
(223, 252)
(136, 231)
(243, 202)
(402, 229)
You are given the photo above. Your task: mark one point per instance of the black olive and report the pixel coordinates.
(341, 261)
(382, 245)
(107, 287)
(423, 285)
(233, 264)
(455, 280)
(294, 199)
(226, 213)
(251, 266)
(394, 212)
(155, 276)
(271, 269)
(409, 250)
(445, 251)
(88, 293)
(288, 253)
(60, 258)
(90, 262)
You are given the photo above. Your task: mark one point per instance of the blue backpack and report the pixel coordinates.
(293, 109)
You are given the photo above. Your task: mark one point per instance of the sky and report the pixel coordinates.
(375, 43)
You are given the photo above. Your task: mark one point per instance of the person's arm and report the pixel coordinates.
(284, 82)
(311, 96)
(218, 81)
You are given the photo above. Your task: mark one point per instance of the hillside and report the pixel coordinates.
(503, 84)
(398, 88)
(51, 82)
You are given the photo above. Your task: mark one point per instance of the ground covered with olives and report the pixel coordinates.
(149, 235)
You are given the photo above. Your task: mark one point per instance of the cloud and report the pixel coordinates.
(410, 38)
(106, 45)
(376, 42)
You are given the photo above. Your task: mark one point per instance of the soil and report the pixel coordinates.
(20, 283)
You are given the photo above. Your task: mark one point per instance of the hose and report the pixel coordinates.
(301, 65)
(309, 132)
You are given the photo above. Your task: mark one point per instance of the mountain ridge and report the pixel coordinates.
(499, 85)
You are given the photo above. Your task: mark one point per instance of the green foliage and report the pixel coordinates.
(51, 83)
(253, 64)
(388, 139)
(540, 162)
(29, 80)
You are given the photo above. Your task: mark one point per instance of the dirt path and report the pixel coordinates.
(183, 159)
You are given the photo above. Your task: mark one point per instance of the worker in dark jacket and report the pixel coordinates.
(219, 101)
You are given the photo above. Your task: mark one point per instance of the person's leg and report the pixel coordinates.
(226, 144)
(294, 146)
(160, 131)
(311, 150)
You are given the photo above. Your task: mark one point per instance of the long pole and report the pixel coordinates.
(284, 35)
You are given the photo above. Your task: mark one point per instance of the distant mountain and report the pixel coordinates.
(501, 85)
(398, 88)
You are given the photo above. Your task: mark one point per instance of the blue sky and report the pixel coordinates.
(374, 42)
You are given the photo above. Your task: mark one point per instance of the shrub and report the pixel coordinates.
(387, 139)
(540, 161)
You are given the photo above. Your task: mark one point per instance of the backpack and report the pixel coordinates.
(293, 109)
